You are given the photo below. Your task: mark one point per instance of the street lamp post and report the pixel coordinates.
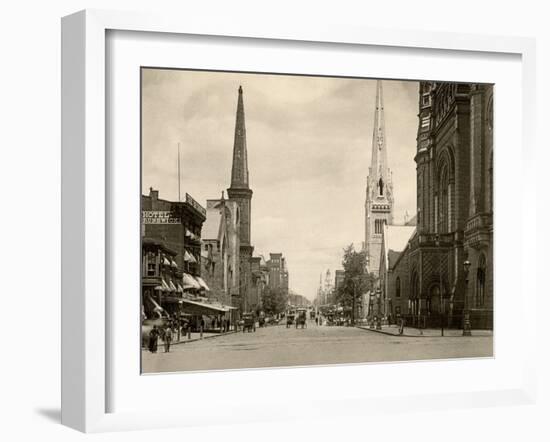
(467, 329)
(437, 244)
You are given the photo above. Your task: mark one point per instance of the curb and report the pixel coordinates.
(203, 338)
(194, 339)
(388, 333)
(417, 336)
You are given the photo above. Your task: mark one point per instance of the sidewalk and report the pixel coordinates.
(195, 336)
(393, 330)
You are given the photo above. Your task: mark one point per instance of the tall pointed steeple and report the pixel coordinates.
(379, 193)
(240, 192)
(379, 158)
(239, 171)
(240, 188)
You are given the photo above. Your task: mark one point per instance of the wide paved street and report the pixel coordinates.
(277, 346)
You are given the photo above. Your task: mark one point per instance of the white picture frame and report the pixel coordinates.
(85, 202)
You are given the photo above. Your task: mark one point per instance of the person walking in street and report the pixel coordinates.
(153, 339)
(167, 338)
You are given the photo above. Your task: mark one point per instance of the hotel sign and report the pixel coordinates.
(158, 217)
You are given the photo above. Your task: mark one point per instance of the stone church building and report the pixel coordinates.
(454, 163)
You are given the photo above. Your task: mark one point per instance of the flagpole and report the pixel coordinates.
(179, 178)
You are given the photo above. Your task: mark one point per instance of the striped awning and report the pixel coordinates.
(198, 307)
(163, 287)
(157, 308)
(202, 283)
(188, 257)
(189, 282)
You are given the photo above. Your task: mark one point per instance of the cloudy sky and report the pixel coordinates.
(309, 147)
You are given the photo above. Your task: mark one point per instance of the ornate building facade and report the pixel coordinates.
(379, 192)
(454, 209)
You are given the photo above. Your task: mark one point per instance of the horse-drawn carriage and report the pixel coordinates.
(248, 322)
(289, 320)
(301, 321)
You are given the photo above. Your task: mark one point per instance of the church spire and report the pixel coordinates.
(239, 171)
(239, 190)
(379, 195)
(378, 171)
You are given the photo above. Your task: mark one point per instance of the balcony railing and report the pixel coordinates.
(479, 221)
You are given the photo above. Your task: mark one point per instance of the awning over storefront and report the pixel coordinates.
(202, 283)
(173, 287)
(192, 235)
(180, 288)
(189, 282)
(188, 257)
(204, 308)
(163, 287)
(157, 308)
(165, 261)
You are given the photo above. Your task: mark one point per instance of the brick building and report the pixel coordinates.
(160, 279)
(260, 279)
(278, 275)
(454, 208)
(178, 225)
(274, 266)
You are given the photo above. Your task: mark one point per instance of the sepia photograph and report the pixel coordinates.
(294, 220)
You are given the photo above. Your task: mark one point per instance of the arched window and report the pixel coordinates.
(380, 187)
(444, 201)
(480, 282)
(398, 287)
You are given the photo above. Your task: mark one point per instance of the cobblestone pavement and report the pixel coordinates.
(278, 346)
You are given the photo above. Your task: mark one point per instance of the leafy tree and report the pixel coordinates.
(357, 280)
(274, 301)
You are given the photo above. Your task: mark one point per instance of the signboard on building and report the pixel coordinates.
(158, 217)
(191, 201)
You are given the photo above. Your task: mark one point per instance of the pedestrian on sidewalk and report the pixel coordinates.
(153, 339)
(167, 338)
